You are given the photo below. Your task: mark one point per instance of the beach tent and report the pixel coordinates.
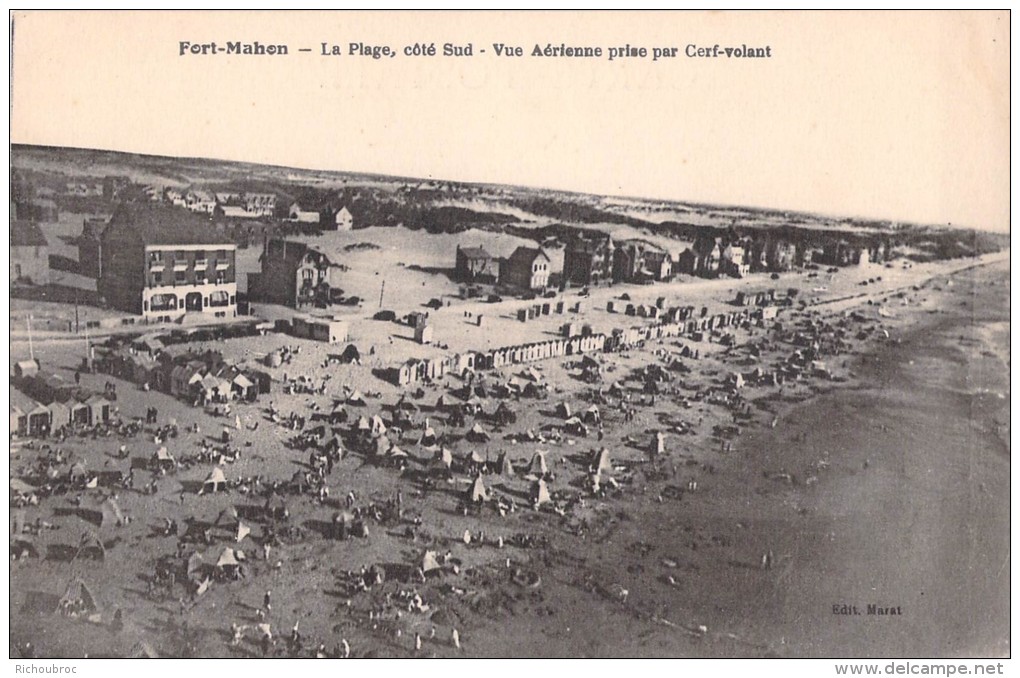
(20, 488)
(215, 482)
(538, 466)
(381, 446)
(78, 599)
(505, 468)
(442, 401)
(77, 472)
(600, 461)
(575, 427)
(276, 508)
(242, 532)
(378, 427)
(406, 405)
(477, 434)
(504, 415)
(563, 410)
(351, 355)
(356, 399)
(90, 545)
(363, 424)
(228, 518)
(444, 456)
(339, 414)
(397, 453)
(478, 493)
(429, 562)
(342, 525)
(539, 493)
(428, 437)
(658, 444)
(532, 374)
(335, 444)
(298, 481)
(592, 416)
(195, 565)
(112, 515)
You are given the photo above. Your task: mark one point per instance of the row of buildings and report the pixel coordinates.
(332, 215)
(586, 259)
(593, 258)
(43, 402)
(195, 377)
(675, 322)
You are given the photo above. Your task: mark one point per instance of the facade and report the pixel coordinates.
(780, 255)
(527, 268)
(588, 259)
(474, 264)
(165, 263)
(327, 330)
(200, 201)
(294, 274)
(658, 264)
(90, 250)
(333, 218)
(732, 262)
(709, 256)
(261, 204)
(30, 254)
(299, 214)
(556, 251)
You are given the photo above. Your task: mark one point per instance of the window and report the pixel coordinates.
(157, 278)
(199, 277)
(219, 299)
(180, 277)
(181, 255)
(155, 256)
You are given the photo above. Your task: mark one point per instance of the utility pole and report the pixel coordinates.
(382, 291)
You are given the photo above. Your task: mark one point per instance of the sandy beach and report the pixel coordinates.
(886, 486)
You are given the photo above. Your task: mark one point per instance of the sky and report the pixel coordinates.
(901, 116)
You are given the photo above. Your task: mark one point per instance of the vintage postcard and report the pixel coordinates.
(510, 334)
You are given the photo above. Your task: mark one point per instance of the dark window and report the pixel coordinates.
(180, 276)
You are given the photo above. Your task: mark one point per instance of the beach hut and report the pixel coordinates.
(245, 388)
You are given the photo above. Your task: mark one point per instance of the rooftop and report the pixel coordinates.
(160, 225)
